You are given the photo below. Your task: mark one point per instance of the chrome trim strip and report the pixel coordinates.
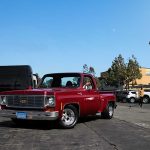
(31, 115)
(24, 107)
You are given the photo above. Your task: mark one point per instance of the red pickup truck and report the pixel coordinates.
(60, 96)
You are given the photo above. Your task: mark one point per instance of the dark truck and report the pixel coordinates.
(18, 77)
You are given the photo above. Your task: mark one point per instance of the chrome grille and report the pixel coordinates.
(25, 101)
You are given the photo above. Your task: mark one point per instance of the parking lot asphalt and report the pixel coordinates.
(134, 114)
(38, 137)
(129, 129)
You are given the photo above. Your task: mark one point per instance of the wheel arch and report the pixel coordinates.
(70, 115)
(107, 113)
(146, 96)
(113, 103)
(76, 105)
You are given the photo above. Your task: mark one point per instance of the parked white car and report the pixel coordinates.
(146, 97)
(132, 96)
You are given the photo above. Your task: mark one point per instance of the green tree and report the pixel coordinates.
(111, 77)
(97, 82)
(133, 71)
(85, 68)
(91, 71)
(121, 73)
(118, 70)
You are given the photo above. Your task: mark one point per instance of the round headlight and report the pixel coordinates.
(51, 101)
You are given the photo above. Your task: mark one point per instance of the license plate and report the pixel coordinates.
(21, 115)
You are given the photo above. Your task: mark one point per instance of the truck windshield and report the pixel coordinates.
(64, 80)
(15, 78)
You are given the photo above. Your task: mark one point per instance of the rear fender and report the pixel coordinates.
(105, 104)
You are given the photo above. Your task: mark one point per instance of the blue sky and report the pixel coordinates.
(63, 35)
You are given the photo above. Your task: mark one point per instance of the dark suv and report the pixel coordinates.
(121, 96)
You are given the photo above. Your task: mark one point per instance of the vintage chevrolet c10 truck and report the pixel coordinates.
(60, 96)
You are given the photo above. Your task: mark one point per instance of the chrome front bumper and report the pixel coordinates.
(30, 115)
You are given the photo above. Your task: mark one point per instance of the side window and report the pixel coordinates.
(66, 82)
(133, 92)
(60, 82)
(70, 81)
(47, 82)
(88, 83)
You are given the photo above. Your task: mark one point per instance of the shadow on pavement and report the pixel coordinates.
(41, 125)
(89, 118)
(26, 124)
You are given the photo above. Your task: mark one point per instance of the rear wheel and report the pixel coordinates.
(69, 117)
(108, 112)
(145, 99)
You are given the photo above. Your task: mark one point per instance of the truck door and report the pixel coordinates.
(91, 95)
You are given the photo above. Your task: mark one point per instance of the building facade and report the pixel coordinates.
(145, 80)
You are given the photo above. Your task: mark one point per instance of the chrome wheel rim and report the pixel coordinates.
(68, 117)
(132, 100)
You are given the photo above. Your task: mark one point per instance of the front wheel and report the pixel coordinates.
(132, 100)
(108, 112)
(69, 117)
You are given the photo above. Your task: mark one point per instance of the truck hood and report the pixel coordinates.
(35, 91)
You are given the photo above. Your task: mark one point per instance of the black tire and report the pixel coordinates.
(18, 121)
(108, 112)
(69, 117)
(132, 100)
(145, 99)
